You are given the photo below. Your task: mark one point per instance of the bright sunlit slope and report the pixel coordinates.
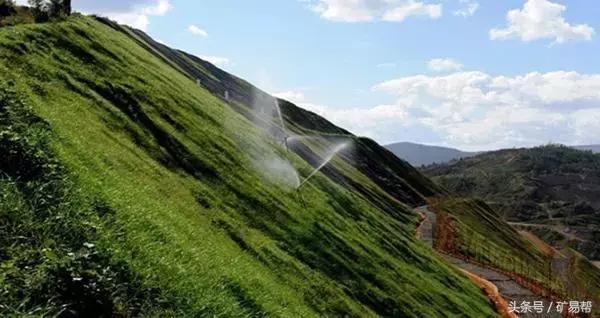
(127, 189)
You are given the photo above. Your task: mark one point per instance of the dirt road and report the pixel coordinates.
(507, 287)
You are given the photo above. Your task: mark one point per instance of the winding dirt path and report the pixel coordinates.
(508, 289)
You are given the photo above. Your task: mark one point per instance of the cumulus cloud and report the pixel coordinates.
(197, 30)
(292, 96)
(475, 110)
(135, 13)
(469, 8)
(373, 10)
(216, 60)
(444, 65)
(541, 19)
(376, 122)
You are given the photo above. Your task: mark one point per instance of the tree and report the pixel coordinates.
(7, 7)
(67, 7)
(43, 10)
(55, 8)
(39, 9)
(60, 8)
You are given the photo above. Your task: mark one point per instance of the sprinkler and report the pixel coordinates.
(285, 142)
(330, 156)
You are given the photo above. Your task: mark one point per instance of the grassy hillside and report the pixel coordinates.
(555, 187)
(391, 174)
(129, 190)
(479, 233)
(470, 228)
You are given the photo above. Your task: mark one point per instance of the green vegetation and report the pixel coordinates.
(129, 190)
(38, 11)
(47, 225)
(480, 234)
(553, 186)
(7, 7)
(382, 169)
(10, 14)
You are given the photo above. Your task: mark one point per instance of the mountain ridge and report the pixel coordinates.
(423, 155)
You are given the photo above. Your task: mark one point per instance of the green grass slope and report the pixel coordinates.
(128, 190)
(380, 166)
(474, 230)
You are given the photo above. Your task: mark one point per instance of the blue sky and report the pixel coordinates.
(471, 74)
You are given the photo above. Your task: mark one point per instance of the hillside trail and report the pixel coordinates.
(508, 288)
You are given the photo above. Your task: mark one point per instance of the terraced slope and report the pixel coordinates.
(507, 287)
(471, 230)
(554, 188)
(129, 190)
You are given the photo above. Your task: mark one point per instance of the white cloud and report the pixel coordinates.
(541, 19)
(197, 30)
(216, 60)
(161, 7)
(132, 19)
(586, 124)
(374, 122)
(469, 8)
(292, 96)
(444, 65)
(372, 10)
(475, 110)
(139, 15)
(410, 8)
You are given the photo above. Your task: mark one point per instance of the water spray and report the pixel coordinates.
(330, 157)
(282, 127)
(278, 109)
(285, 143)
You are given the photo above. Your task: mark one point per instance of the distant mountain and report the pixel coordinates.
(593, 148)
(552, 190)
(418, 154)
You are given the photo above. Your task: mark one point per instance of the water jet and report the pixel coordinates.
(327, 159)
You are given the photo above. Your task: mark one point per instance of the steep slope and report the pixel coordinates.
(395, 176)
(555, 189)
(470, 230)
(419, 155)
(170, 214)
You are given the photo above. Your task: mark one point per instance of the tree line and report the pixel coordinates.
(41, 10)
